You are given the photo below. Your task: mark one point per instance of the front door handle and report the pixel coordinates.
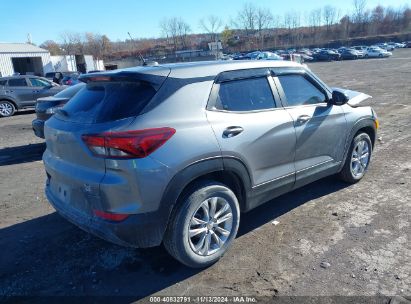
(232, 131)
(303, 119)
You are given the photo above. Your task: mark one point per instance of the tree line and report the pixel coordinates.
(253, 27)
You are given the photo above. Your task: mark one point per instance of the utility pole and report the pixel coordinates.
(139, 55)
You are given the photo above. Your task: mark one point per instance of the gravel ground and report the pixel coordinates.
(331, 240)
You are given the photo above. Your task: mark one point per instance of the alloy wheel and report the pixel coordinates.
(6, 109)
(210, 226)
(360, 158)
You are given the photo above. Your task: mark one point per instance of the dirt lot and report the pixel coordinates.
(362, 231)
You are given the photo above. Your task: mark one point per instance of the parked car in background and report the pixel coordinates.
(57, 77)
(361, 53)
(20, 92)
(252, 55)
(385, 46)
(408, 44)
(70, 79)
(327, 55)
(305, 51)
(376, 52)
(127, 132)
(305, 57)
(47, 106)
(349, 54)
(238, 56)
(360, 48)
(268, 56)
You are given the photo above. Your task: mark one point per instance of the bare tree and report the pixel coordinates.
(106, 45)
(96, 45)
(359, 10)
(212, 25)
(52, 47)
(315, 24)
(292, 21)
(264, 20)
(246, 20)
(276, 24)
(329, 17)
(175, 30)
(68, 43)
(345, 27)
(183, 29)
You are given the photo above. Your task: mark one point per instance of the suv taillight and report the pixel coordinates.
(128, 144)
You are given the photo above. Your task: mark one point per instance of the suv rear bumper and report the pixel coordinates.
(138, 230)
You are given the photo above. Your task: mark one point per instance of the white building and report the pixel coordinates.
(24, 58)
(72, 63)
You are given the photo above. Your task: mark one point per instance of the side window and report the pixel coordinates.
(35, 82)
(3, 82)
(17, 82)
(245, 95)
(299, 91)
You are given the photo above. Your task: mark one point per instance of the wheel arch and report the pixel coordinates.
(11, 101)
(366, 125)
(231, 172)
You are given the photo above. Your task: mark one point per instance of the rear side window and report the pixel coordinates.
(299, 91)
(108, 101)
(17, 82)
(245, 95)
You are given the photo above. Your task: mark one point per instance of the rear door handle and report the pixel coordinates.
(303, 119)
(232, 131)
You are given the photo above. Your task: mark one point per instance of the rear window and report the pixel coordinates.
(107, 101)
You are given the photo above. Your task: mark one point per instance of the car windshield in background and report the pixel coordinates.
(71, 91)
(106, 101)
(37, 82)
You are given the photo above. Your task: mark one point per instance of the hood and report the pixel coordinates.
(355, 99)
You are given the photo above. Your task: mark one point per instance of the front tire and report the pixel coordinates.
(203, 225)
(358, 159)
(7, 108)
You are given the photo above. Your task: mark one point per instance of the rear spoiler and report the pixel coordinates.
(154, 79)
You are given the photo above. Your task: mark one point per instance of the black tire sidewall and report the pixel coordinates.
(12, 105)
(190, 205)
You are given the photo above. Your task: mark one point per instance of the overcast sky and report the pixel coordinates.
(46, 19)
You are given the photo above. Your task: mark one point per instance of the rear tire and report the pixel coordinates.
(197, 237)
(357, 160)
(7, 108)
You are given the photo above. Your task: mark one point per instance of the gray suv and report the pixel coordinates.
(19, 92)
(174, 153)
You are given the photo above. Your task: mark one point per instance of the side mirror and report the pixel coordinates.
(339, 98)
